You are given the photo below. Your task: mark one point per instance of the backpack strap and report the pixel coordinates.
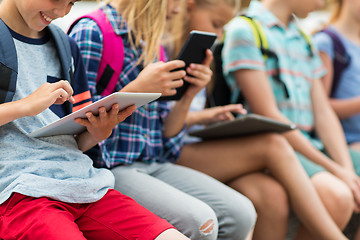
(112, 59)
(307, 39)
(8, 64)
(162, 54)
(64, 50)
(9, 61)
(341, 58)
(263, 44)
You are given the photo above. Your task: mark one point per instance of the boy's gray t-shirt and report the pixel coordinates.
(53, 166)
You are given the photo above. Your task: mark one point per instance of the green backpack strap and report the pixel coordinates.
(308, 40)
(263, 45)
(259, 35)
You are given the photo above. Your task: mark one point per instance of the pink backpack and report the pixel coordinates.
(112, 59)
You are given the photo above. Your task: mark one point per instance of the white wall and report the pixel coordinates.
(80, 8)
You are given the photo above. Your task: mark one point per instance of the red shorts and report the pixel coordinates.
(115, 216)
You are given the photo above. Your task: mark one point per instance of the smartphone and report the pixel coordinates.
(193, 51)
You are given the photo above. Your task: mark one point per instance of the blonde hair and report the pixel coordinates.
(146, 20)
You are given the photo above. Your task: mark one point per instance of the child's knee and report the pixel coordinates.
(237, 219)
(334, 193)
(201, 223)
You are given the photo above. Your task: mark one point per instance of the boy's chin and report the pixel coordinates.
(302, 15)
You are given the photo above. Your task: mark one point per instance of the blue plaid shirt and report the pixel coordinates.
(139, 137)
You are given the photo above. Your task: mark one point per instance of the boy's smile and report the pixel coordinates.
(32, 16)
(46, 18)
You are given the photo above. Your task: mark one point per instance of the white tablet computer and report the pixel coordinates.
(67, 125)
(241, 126)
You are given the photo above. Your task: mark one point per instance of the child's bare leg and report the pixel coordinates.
(232, 158)
(171, 234)
(271, 204)
(337, 199)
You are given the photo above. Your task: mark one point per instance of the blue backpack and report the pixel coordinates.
(341, 58)
(9, 62)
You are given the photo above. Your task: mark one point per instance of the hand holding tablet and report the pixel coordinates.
(67, 124)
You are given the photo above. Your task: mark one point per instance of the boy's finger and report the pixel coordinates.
(209, 57)
(92, 119)
(102, 114)
(195, 81)
(82, 121)
(176, 84)
(60, 96)
(229, 116)
(66, 86)
(177, 74)
(123, 114)
(172, 65)
(114, 110)
(72, 99)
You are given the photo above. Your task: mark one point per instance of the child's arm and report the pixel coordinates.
(344, 108)
(46, 95)
(326, 119)
(157, 77)
(257, 90)
(214, 114)
(334, 140)
(100, 127)
(201, 73)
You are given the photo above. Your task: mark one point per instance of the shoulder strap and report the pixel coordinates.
(259, 35)
(64, 50)
(307, 39)
(162, 54)
(341, 58)
(263, 44)
(8, 64)
(112, 59)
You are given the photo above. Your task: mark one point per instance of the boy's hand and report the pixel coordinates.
(158, 78)
(47, 95)
(215, 114)
(221, 113)
(201, 75)
(100, 127)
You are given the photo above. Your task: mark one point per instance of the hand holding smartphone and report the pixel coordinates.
(193, 51)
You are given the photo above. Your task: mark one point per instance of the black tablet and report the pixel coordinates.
(242, 126)
(193, 51)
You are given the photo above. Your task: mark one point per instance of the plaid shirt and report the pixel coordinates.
(297, 68)
(139, 137)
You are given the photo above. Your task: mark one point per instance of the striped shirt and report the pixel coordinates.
(298, 68)
(139, 137)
